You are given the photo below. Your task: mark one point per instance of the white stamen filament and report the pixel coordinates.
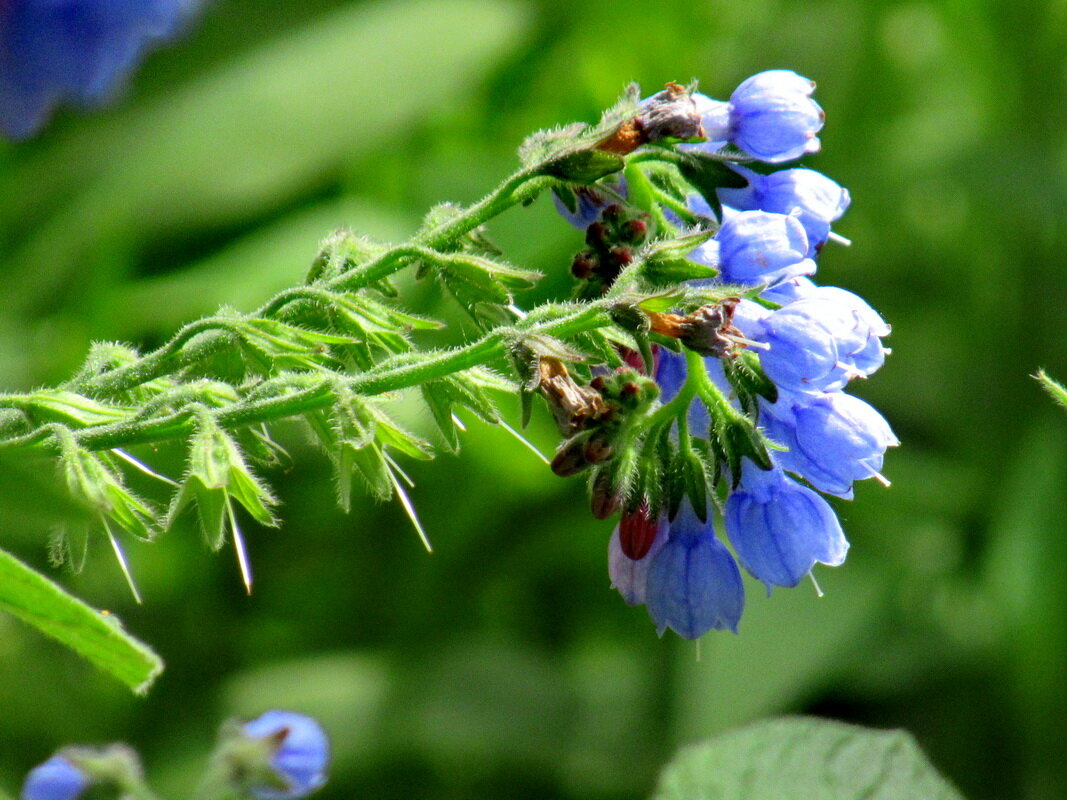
(839, 239)
(530, 445)
(410, 510)
(815, 583)
(121, 558)
(140, 465)
(239, 546)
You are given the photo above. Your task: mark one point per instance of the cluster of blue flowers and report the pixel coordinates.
(811, 341)
(79, 51)
(280, 755)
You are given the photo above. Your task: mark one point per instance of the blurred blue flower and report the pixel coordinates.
(55, 779)
(833, 438)
(780, 529)
(818, 200)
(300, 756)
(79, 51)
(694, 584)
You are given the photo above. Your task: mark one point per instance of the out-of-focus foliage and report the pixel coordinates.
(503, 664)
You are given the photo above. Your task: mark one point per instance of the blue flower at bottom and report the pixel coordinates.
(693, 583)
(780, 529)
(78, 51)
(300, 757)
(55, 779)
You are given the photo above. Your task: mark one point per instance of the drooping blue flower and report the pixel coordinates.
(300, 757)
(833, 438)
(780, 529)
(79, 51)
(754, 247)
(693, 583)
(818, 200)
(819, 342)
(55, 779)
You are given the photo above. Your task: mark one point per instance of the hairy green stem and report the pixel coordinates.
(318, 393)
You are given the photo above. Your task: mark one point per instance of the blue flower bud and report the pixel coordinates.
(754, 247)
(693, 583)
(78, 51)
(780, 529)
(833, 439)
(773, 117)
(55, 779)
(818, 200)
(299, 753)
(819, 342)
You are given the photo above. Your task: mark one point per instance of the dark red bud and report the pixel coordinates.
(637, 532)
(583, 266)
(598, 383)
(611, 213)
(596, 234)
(622, 255)
(630, 389)
(636, 230)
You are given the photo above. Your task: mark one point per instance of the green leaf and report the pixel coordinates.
(804, 758)
(97, 636)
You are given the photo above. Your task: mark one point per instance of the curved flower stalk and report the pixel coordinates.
(694, 332)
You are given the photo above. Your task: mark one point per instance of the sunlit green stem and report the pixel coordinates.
(306, 392)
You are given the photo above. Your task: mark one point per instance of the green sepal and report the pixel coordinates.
(460, 390)
(341, 251)
(474, 280)
(583, 166)
(666, 263)
(747, 376)
(656, 482)
(92, 481)
(216, 472)
(694, 474)
(271, 345)
(544, 147)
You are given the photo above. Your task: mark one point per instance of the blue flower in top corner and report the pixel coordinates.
(78, 51)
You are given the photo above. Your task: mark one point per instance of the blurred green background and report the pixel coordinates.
(503, 665)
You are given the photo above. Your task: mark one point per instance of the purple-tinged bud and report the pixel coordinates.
(630, 576)
(637, 530)
(780, 529)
